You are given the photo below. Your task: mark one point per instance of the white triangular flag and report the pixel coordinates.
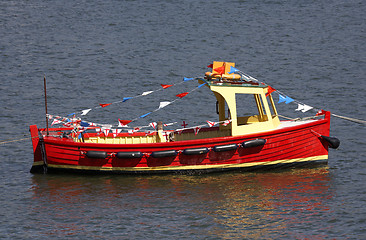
(225, 123)
(299, 107)
(153, 124)
(211, 124)
(86, 111)
(146, 93)
(164, 104)
(306, 108)
(196, 130)
(115, 132)
(55, 121)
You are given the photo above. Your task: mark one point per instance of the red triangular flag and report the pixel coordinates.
(220, 70)
(182, 94)
(104, 105)
(123, 123)
(210, 66)
(165, 86)
(270, 90)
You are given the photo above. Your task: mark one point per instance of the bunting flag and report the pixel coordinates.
(106, 129)
(220, 70)
(270, 90)
(91, 124)
(84, 124)
(226, 122)
(80, 135)
(86, 111)
(146, 93)
(181, 95)
(164, 104)
(284, 99)
(196, 130)
(153, 124)
(233, 70)
(115, 132)
(142, 116)
(126, 98)
(210, 66)
(104, 105)
(98, 130)
(56, 121)
(201, 85)
(187, 79)
(303, 108)
(165, 86)
(211, 124)
(123, 123)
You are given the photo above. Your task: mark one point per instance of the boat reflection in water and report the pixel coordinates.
(237, 204)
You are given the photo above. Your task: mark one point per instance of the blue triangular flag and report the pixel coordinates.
(84, 124)
(70, 114)
(202, 85)
(281, 98)
(80, 136)
(232, 70)
(288, 100)
(144, 115)
(187, 79)
(126, 98)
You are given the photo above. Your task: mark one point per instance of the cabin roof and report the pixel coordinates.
(226, 83)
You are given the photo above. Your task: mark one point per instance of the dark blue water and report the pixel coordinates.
(95, 52)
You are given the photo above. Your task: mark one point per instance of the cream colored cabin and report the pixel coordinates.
(229, 91)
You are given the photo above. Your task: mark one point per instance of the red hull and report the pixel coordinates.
(300, 143)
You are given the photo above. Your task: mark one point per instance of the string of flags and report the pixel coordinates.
(124, 99)
(282, 97)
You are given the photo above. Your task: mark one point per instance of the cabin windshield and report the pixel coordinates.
(249, 111)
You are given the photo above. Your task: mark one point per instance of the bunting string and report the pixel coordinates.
(286, 99)
(124, 99)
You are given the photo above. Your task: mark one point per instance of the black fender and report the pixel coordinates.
(129, 154)
(254, 143)
(160, 154)
(96, 154)
(195, 151)
(333, 142)
(223, 148)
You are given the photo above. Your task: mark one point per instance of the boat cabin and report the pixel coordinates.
(235, 94)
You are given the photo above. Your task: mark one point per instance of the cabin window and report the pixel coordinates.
(249, 109)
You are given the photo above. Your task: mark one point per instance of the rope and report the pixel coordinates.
(350, 119)
(15, 140)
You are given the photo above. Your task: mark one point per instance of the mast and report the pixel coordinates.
(45, 101)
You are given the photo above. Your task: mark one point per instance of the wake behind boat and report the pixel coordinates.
(235, 141)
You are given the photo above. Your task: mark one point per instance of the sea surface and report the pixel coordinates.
(94, 52)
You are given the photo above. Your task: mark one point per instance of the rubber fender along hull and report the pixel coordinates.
(161, 154)
(195, 151)
(254, 143)
(96, 154)
(223, 148)
(129, 155)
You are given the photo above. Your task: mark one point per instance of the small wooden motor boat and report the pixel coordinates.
(236, 141)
